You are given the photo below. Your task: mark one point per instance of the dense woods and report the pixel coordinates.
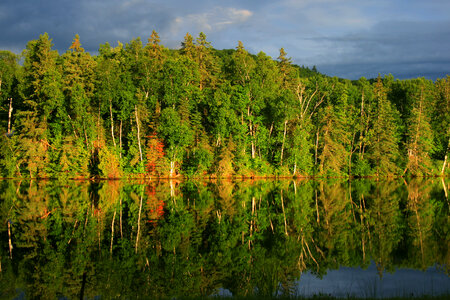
(143, 110)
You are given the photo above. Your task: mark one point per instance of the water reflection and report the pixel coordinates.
(174, 238)
(365, 283)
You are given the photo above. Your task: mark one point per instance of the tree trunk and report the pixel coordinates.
(172, 168)
(218, 140)
(9, 115)
(139, 222)
(120, 220)
(445, 158)
(317, 147)
(71, 122)
(282, 145)
(120, 139)
(361, 133)
(445, 163)
(253, 149)
(85, 135)
(98, 126)
(284, 214)
(138, 132)
(112, 123)
(112, 232)
(445, 188)
(9, 239)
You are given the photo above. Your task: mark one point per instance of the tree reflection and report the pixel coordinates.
(168, 239)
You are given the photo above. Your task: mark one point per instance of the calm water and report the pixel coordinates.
(118, 239)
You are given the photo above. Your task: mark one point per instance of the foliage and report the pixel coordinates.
(136, 110)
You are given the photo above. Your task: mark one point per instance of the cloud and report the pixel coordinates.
(348, 38)
(216, 19)
(405, 48)
(354, 38)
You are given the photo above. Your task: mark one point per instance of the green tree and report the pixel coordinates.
(338, 134)
(9, 80)
(384, 150)
(42, 85)
(176, 135)
(419, 132)
(365, 103)
(43, 118)
(9, 69)
(441, 121)
(78, 86)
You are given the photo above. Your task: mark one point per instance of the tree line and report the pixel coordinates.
(143, 110)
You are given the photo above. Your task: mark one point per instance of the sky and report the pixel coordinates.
(344, 38)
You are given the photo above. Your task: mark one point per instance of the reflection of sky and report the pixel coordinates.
(366, 283)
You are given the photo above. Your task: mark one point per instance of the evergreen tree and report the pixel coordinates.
(384, 150)
(78, 86)
(42, 86)
(43, 120)
(286, 69)
(9, 79)
(420, 135)
(441, 121)
(365, 104)
(188, 47)
(241, 66)
(9, 69)
(207, 63)
(338, 131)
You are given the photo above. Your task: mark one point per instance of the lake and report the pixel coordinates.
(167, 239)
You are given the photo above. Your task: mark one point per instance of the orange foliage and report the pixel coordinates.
(155, 205)
(155, 154)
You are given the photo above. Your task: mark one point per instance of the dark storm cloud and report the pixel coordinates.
(347, 38)
(404, 48)
(21, 21)
(95, 21)
(121, 21)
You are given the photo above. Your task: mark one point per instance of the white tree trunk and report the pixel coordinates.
(112, 123)
(9, 115)
(284, 139)
(120, 139)
(445, 158)
(139, 222)
(138, 132)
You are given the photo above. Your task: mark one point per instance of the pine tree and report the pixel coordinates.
(384, 150)
(242, 66)
(334, 155)
(419, 132)
(286, 69)
(188, 47)
(42, 84)
(9, 78)
(9, 69)
(338, 132)
(441, 121)
(78, 87)
(43, 121)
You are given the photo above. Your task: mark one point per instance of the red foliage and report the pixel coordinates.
(155, 153)
(155, 206)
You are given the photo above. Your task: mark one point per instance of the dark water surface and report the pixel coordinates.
(165, 239)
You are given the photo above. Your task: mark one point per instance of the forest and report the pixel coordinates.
(141, 110)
